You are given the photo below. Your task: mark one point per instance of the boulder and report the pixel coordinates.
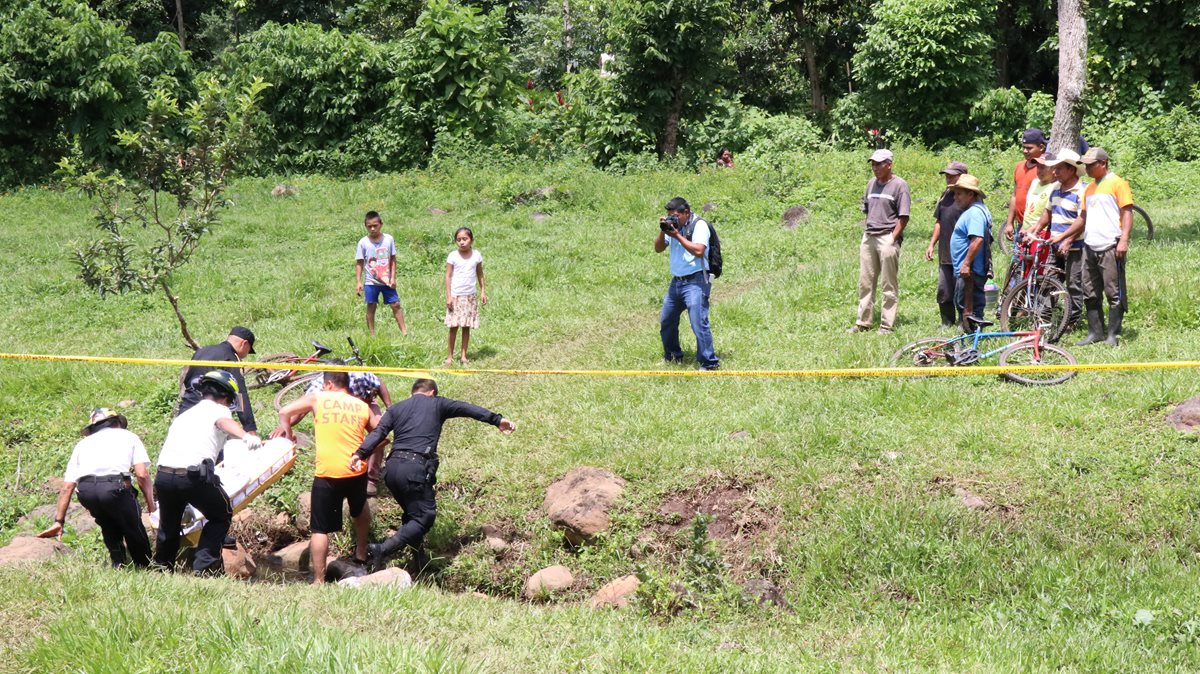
(238, 563)
(579, 501)
(617, 593)
(793, 216)
(79, 520)
(293, 557)
(30, 549)
(303, 511)
(53, 484)
(494, 538)
(548, 581)
(1186, 415)
(765, 593)
(392, 577)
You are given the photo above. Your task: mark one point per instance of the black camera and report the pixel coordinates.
(668, 224)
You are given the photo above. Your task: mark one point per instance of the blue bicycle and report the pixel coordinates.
(1029, 349)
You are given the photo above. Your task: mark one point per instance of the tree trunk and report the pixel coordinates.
(180, 28)
(1004, 21)
(669, 143)
(1072, 75)
(183, 328)
(567, 42)
(816, 96)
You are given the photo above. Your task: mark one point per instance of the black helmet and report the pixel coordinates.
(221, 383)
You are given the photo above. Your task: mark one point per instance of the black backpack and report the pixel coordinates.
(715, 261)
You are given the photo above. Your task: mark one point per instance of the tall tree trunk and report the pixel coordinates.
(180, 28)
(183, 328)
(1004, 22)
(669, 143)
(816, 96)
(1072, 75)
(567, 42)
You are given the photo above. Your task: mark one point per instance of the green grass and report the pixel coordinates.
(1091, 511)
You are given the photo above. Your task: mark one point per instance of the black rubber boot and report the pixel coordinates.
(1116, 315)
(949, 314)
(1095, 321)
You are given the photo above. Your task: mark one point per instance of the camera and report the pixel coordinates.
(668, 224)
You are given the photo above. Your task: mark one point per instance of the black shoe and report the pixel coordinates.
(230, 543)
(710, 368)
(1095, 321)
(374, 557)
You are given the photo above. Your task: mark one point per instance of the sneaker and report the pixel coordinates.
(854, 329)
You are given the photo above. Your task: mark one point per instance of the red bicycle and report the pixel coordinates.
(1032, 296)
(258, 377)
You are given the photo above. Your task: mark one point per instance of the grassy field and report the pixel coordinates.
(848, 494)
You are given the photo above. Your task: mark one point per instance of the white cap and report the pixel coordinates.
(881, 155)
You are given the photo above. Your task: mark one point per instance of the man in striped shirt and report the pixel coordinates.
(1065, 203)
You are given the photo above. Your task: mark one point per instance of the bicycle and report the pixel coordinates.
(964, 350)
(1032, 296)
(295, 389)
(258, 377)
(1141, 220)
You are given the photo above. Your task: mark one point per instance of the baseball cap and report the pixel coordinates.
(1094, 155)
(1034, 137)
(954, 168)
(881, 155)
(244, 333)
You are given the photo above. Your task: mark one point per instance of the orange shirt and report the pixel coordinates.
(340, 423)
(1023, 177)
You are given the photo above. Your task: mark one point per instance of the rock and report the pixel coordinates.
(540, 194)
(282, 190)
(238, 562)
(393, 577)
(243, 516)
(126, 404)
(765, 593)
(1186, 415)
(341, 569)
(616, 594)
(293, 557)
(495, 544)
(738, 435)
(282, 519)
(30, 549)
(578, 502)
(304, 511)
(79, 520)
(438, 211)
(793, 216)
(53, 484)
(548, 581)
(970, 500)
(709, 206)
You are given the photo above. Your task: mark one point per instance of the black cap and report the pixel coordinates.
(244, 333)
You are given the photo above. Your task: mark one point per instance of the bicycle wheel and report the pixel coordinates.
(1141, 215)
(258, 377)
(1022, 354)
(293, 390)
(926, 352)
(1048, 310)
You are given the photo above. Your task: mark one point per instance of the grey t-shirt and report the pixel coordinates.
(375, 256)
(946, 213)
(885, 204)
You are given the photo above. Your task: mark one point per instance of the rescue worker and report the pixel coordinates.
(100, 468)
(235, 348)
(413, 462)
(187, 472)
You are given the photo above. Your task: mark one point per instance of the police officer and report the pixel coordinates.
(100, 466)
(187, 475)
(412, 465)
(235, 348)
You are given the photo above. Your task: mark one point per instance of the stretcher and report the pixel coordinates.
(244, 475)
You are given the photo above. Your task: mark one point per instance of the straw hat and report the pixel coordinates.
(970, 183)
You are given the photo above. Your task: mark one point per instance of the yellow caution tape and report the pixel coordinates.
(941, 371)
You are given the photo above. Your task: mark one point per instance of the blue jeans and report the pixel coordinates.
(978, 295)
(691, 294)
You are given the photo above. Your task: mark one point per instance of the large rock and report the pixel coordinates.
(303, 511)
(30, 549)
(494, 538)
(294, 557)
(238, 563)
(1186, 415)
(617, 593)
(391, 577)
(548, 581)
(79, 520)
(578, 502)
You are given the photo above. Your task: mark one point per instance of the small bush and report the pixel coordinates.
(998, 115)
(850, 121)
(1039, 111)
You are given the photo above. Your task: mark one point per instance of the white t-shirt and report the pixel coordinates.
(462, 280)
(110, 451)
(194, 436)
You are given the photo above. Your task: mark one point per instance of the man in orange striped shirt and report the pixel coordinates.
(340, 422)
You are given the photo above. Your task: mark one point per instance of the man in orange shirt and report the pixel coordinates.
(1033, 144)
(340, 421)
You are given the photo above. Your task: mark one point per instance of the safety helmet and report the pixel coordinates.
(222, 383)
(100, 415)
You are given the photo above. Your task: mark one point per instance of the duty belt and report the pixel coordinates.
(103, 478)
(172, 471)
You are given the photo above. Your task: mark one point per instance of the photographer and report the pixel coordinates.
(686, 236)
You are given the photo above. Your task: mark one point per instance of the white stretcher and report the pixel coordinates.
(245, 475)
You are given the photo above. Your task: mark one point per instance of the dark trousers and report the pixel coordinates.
(176, 492)
(1072, 266)
(411, 479)
(947, 281)
(978, 296)
(114, 506)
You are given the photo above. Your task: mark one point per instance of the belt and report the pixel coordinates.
(103, 478)
(406, 455)
(172, 471)
(689, 277)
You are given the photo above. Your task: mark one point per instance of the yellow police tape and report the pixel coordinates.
(825, 373)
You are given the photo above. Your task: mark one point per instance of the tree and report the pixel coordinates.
(671, 60)
(183, 157)
(1072, 74)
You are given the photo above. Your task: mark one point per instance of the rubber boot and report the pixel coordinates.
(1095, 321)
(1116, 315)
(949, 314)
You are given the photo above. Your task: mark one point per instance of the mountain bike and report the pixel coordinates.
(1032, 295)
(1141, 221)
(295, 389)
(1028, 349)
(258, 377)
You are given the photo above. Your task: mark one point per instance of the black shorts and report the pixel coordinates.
(327, 496)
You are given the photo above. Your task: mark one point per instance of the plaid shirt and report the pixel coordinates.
(363, 385)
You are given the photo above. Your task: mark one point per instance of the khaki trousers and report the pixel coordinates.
(878, 263)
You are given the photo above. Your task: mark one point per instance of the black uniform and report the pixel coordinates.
(112, 501)
(413, 462)
(221, 352)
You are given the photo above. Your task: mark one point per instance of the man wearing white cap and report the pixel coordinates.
(1066, 200)
(886, 204)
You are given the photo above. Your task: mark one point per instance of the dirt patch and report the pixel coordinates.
(263, 532)
(978, 495)
(739, 520)
(1185, 417)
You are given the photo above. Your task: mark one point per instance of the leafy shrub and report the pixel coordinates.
(1136, 140)
(849, 121)
(1039, 111)
(781, 133)
(998, 116)
(923, 62)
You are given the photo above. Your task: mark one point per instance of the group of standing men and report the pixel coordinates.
(1089, 223)
(103, 464)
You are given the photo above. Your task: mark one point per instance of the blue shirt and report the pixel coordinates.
(975, 221)
(684, 263)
